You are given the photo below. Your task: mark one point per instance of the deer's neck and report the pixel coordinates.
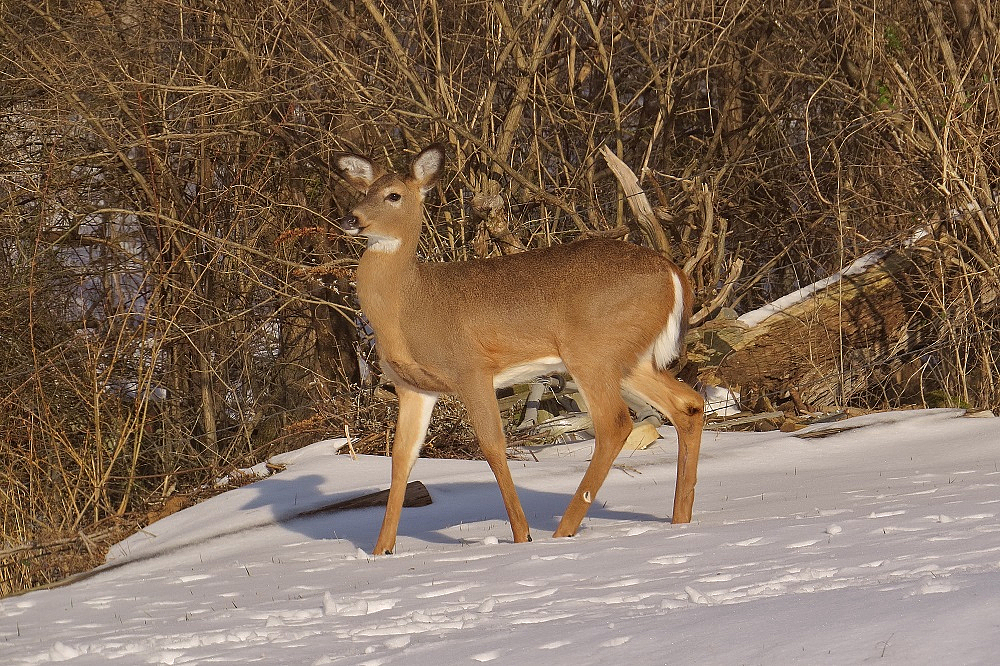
(389, 287)
(385, 275)
(384, 279)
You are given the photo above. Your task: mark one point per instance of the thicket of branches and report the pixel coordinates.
(175, 302)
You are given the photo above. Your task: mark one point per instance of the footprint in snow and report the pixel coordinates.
(803, 544)
(62, 652)
(397, 642)
(486, 656)
(444, 591)
(885, 514)
(934, 586)
(718, 578)
(355, 607)
(696, 597)
(615, 642)
(623, 582)
(670, 559)
(636, 531)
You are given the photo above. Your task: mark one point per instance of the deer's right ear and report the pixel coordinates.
(357, 170)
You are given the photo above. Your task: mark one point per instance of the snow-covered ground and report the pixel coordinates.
(879, 543)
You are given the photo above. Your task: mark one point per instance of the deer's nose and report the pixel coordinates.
(350, 224)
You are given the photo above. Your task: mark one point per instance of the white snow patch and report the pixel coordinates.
(911, 576)
(720, 401)
(858, 266)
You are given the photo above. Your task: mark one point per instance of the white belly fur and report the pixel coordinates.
(525, 371)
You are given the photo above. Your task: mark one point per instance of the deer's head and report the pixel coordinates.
(390, 213)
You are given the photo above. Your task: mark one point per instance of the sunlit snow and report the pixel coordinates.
(880, 542)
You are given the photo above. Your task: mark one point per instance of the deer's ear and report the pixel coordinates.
(427, 166)
(359, 171)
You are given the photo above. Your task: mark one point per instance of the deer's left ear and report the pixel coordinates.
(427, 166)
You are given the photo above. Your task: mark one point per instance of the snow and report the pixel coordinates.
(857, 267)
(720, 401)
(879, 542)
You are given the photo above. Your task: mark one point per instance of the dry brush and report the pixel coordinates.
(175, 299)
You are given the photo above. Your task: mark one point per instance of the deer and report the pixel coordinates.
(610, 313)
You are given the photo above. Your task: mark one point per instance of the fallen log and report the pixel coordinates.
(858, 330)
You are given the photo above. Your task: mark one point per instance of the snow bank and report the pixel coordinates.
(876, 543)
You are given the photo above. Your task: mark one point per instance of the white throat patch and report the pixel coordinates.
(386, 244)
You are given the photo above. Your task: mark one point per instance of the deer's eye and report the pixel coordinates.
(393, 197)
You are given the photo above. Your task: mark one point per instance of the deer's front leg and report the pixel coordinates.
(411, 428)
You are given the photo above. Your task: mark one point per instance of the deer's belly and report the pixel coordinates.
(528, 370)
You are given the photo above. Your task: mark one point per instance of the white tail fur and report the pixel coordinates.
(669, 345)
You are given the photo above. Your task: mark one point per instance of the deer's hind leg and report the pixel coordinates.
(686, 410)
(479, 398)
(612, 425)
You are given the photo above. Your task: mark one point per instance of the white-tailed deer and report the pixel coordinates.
(608, 312)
